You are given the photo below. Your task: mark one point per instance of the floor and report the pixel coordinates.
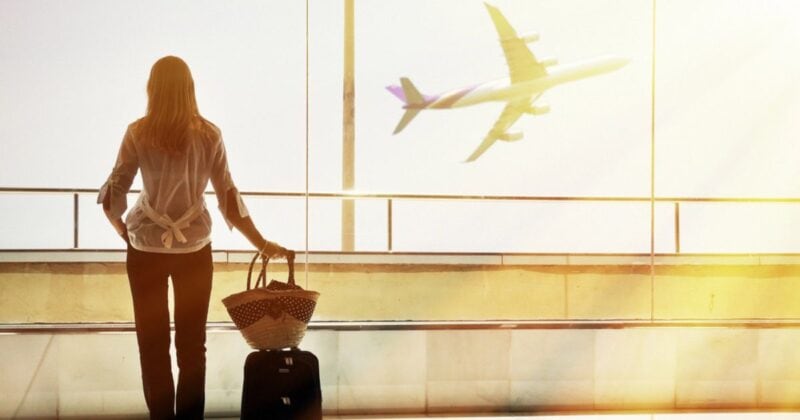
(677, 416)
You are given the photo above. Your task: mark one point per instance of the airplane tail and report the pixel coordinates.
(407, 117)
(413, 99)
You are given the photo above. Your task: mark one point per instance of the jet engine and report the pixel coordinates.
(539, 110)
(548, 61)
(511, 136)
(530, 37)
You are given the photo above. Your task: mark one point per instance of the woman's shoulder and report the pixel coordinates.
(208, 130)
(132, 127)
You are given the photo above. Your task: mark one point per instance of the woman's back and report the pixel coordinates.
(175, 181)
(170, 215)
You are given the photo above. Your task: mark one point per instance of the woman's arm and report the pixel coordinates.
(245, 225)
(113, 194)
(116, 222)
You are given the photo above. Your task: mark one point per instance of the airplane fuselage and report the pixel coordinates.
(502, 90)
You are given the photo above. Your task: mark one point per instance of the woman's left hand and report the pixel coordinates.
(271, 249)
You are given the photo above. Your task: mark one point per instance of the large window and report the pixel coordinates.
(715, 123)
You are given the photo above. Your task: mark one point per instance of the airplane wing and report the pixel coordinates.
(522, 64)
(508, 117)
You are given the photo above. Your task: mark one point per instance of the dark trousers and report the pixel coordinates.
(191, 281)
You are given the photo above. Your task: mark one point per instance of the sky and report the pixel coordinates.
(74, 73)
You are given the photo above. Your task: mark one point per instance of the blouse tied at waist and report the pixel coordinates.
(172, 228)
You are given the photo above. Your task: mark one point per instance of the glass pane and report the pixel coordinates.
(740, 227)
(541, 227)
(727, 99)
(372, 218)
(324, 225)
(665, 234)
(36, 221)
(325, 79)
(74, 75)
(325, 221)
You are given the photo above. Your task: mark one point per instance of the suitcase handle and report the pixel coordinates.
(293, 348)
(262, 275)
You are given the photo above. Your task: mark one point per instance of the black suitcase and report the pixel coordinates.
(281, 384)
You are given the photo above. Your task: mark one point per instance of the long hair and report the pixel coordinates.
(171, 106)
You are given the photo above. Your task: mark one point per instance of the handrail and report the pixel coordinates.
(391, 197)
(431, 259)
(407, 196)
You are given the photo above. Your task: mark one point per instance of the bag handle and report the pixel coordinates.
(262, 275)
(264, 261)
(290, 263)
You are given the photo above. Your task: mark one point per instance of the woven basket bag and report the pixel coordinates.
(275, 315)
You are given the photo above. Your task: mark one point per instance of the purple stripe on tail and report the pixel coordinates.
(397, 91)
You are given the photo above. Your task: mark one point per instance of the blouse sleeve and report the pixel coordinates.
(114, 193)
(223, 182)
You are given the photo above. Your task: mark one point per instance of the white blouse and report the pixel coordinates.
(170, 215)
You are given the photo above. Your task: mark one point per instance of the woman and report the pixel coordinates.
(168, 231)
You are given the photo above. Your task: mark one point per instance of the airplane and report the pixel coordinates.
(528, 79)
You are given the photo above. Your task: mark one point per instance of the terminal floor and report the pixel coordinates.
(676, 416)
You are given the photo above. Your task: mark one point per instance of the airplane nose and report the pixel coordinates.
(617, 62)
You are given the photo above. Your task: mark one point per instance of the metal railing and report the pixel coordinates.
(390, 199)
